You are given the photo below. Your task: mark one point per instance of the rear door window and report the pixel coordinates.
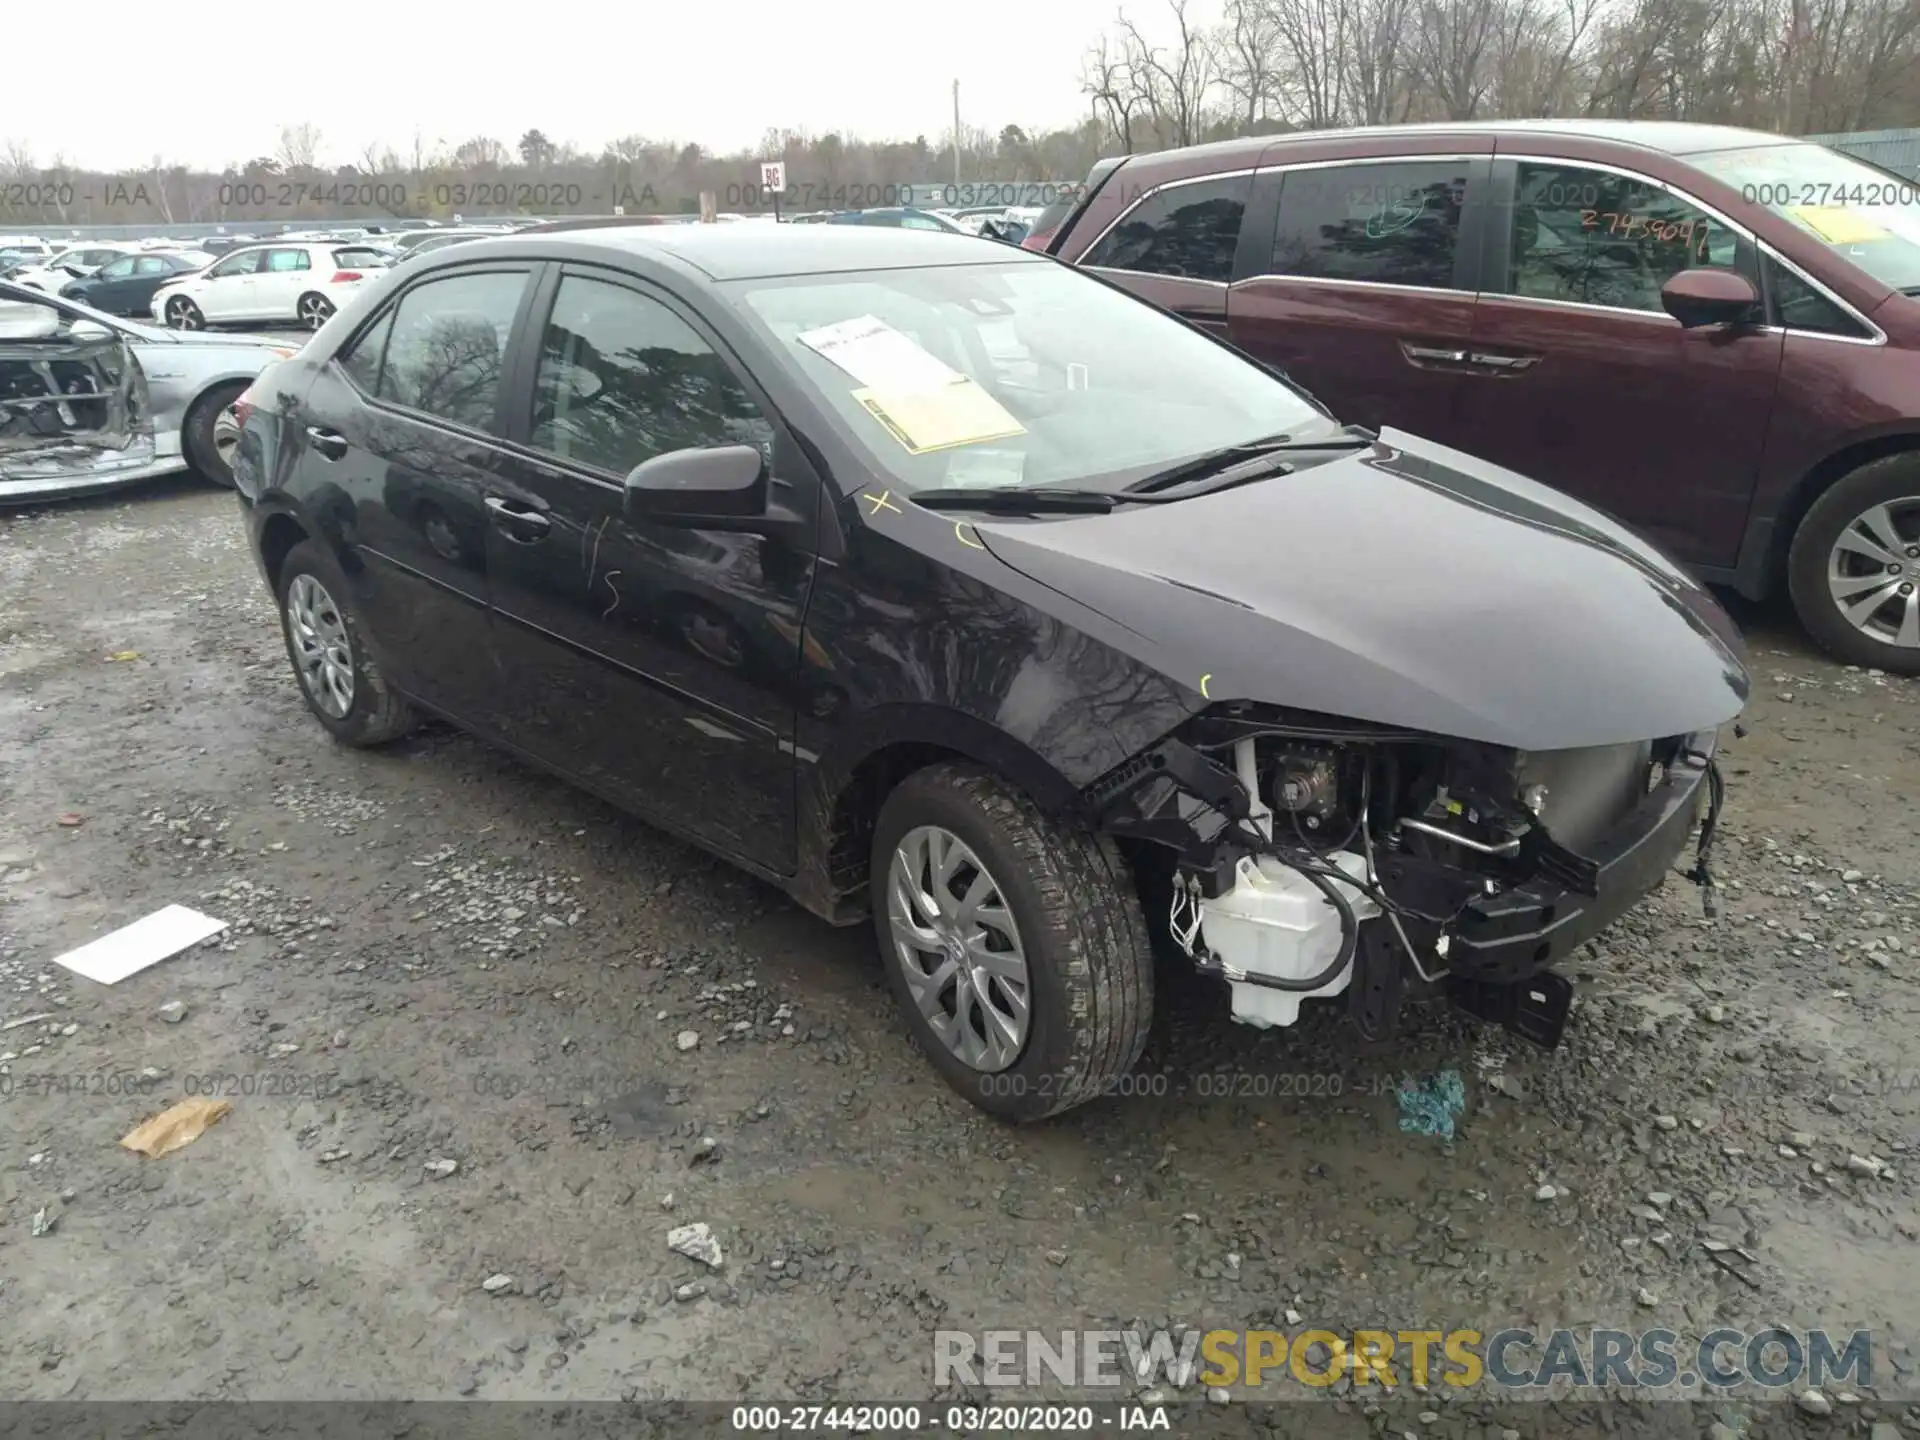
(1188, 231)
(1593, 237)
(448, 339)
(1388, 224)
(282, 260)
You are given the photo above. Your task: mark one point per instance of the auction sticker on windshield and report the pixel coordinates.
(876, 354)
(960, 413)
(1838, 226)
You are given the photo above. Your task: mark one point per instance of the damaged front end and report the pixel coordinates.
(1310, 856)
(73, 399)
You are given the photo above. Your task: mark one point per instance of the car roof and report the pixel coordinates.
(745, 252)
(1665, 136)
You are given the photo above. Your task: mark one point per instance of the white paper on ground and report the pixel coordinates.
(132, 948)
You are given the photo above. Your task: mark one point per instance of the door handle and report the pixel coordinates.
(330, 443)
(518, 520)
(1426, 356)
(1502, 364)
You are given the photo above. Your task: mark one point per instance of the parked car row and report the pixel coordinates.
(1711, 334)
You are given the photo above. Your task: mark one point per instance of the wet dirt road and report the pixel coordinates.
(438, 954)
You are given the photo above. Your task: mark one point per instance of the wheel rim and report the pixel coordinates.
(226, 442)
(315, 310)
(959, 948)
(1873, 573)
(183, 315)
(321, 651)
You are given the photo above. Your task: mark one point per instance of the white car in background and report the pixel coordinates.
(77, 263)
(272, 284)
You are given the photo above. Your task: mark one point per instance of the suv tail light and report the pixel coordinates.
(340, 275)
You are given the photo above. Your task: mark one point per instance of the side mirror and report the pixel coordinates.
(1709, 296)
(715, 487)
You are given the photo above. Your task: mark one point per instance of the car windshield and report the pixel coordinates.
(1870, 216)
(1017, 374)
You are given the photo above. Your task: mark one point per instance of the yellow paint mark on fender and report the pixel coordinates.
(881, 502)
(1203, 685)
(960, 528)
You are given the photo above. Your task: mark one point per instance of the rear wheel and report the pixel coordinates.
(314, 311)
(183, 314)
(211, 460)
(338, 678)
(1854, 569)
(1013, 941)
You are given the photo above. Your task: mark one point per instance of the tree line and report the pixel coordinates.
(1175, 75)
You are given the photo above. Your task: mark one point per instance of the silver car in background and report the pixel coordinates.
(89, 402)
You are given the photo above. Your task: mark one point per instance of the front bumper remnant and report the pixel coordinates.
(1516, 934)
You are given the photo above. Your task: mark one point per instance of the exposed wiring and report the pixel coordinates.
(1373, 874)
(1701, 874)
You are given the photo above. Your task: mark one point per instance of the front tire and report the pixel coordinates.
(183, 314)
(197, 436)
(338, 679)
(1854, 569)
(1013, 942)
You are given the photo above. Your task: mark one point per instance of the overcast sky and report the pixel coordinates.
(714, 72)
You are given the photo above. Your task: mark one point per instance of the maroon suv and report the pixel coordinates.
(1710, 333)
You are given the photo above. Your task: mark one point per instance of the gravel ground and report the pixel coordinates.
(488, 1040)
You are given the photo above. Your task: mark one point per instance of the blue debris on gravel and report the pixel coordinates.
(1427, 1107)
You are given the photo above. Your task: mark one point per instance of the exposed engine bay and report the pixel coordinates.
(1311, 857)
(65, 389)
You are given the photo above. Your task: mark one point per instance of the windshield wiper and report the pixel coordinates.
(1348, 437)
(1020, 500)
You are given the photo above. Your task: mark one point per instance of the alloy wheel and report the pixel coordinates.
(315, 311)
(959, 948)
(183, 314)
(322, 652)
(1873, 572)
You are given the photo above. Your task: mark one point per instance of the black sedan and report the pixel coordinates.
(945, 585)
(125, 286)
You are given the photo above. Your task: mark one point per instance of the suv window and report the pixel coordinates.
(622, 379)
(1798, 306)
(1186, 230)
(1391, 224)
(447, 340)
(1597, 238)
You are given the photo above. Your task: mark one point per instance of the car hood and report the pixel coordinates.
(1409, 585)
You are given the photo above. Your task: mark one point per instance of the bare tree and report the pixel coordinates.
(1106, 77)
(1379, 83)
(481, 152)
(16, 160)
(1174, 86)
(1316, 42)
(1248, 50)
(299, 147)
(1453, 45)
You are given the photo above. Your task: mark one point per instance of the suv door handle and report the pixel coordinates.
(1504, 364)
(330, 443)
(518, 520)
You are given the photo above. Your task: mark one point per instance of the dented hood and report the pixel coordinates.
(69, 390)
(1409, 585)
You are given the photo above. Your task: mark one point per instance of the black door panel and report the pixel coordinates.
(657, 663)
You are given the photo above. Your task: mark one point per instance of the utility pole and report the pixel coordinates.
(956, 134)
